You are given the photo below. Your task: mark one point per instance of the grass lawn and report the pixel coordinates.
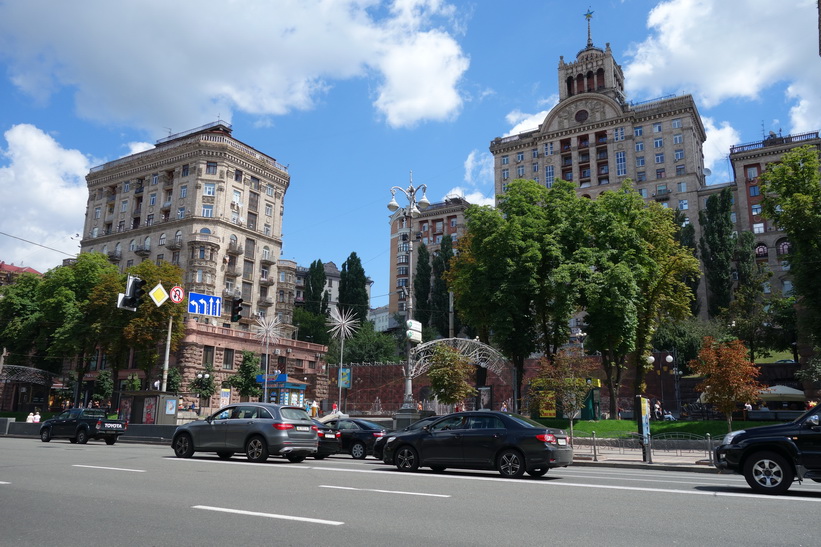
(618, 428)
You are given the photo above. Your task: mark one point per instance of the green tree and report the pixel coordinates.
(717, 249)
(687, 239)
(685, 337)
(311, 326)
(245, 380)
(365, 346)
(792, 201)
(353, 293)
(421, 286)
(440, 295)
(729, 378)
(564, 379)
(21, 323)
(449, 375)
(204, 387)
(174, 380)
(314, 289)
(103, 386)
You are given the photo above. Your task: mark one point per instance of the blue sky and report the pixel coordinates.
(354, 94)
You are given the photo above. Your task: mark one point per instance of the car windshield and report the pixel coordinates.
(290, 413)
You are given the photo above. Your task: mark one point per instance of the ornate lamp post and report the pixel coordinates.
(267, 330)
(408, 214)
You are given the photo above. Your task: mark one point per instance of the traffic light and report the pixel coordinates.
(236, 309)
(134, 293)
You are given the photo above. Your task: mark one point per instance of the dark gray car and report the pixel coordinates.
(257, 429)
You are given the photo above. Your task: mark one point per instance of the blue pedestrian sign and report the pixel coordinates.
(204, 304)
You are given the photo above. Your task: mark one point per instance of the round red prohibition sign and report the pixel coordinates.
(177, 294)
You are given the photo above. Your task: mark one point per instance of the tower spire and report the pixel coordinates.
(589, 16)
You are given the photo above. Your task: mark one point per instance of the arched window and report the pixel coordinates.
(266, 253)
(118, 247)
(147, 242)
(784, 247)
(132, 246)
(161, 242)
(105, 249)
(205, 231)
(233, 239)
(178, 237)
(761, 250)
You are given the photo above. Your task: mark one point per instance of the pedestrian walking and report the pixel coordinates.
(36, 417)
(504, 407)
(30, 418)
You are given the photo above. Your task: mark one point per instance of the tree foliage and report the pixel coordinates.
(103, 386)
(440, 295)
(311, 326)
(729, 377)
(449, 375)
(245, 380)
(717, 249)
(353, 292)
(792, 201)
(421, 286)
(206, 386)
(365, 346)
(314, 289)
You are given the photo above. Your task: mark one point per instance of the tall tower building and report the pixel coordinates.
(201, 200)
(595, 138)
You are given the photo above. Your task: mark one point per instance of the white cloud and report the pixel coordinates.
(158, 64)
(719, 50)
(137, 147)
(43, 192)
(475, 197)
(717, 147)
(522, 121)
(479, 168)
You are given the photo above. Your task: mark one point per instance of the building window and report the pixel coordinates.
(658, 142)
(732, 217)
(183, 191)
(269, 190)
(126, 186)
(161, 242)
(679, 170)
(269, 210)
(660, 157)
(639, 146)
(238, 175)
(181, 212)
(149, 220)
(505, 160)
(786, 287)
(520, 156)
(453, 222)
(535, 167)
(208, 355)
(160, 258)
(639, 161)
(237, 198)
(618, 134)
(752, 173)
(124, 206)
(761, 251)
(678, 138)
(676, 124)
(534, 153)
(784, 248)
(756, 209)
(402, 270)
(656, 128)
(686, 221)
(211, 168)
(155, 179)
(228, 359)
(152, 199)
(660, 173)
(766, 288)
(679, 155)
(185, 170)
(208, 211)
(642, 192)
(755, 191)
(638, 131)
(548, 149)
(505, 174)
(208, 189)
(97, 211)
(758, 228)
(681, 186)
(683, 205)
(266, 229)
(621, 164)
(548, 174)
(641, 176)
(520, 171)
(132, 246)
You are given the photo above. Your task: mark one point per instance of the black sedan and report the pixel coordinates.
(358, 435)
(328, 440)
(379, 443)
(509, 443)
(257, 429)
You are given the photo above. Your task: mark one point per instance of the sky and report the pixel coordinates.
(355, 95)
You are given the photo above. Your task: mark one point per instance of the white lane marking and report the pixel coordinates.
(111, 468)
(267, 515)
(3, 482)
(553, 482)
(385, 491)
(224, 462)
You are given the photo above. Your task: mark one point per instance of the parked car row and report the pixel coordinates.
(482, 439)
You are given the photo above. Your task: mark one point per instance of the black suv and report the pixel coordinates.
(771, 457)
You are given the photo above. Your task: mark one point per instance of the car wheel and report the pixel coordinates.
(437, 468)
(183, 446)
(45, 434)
(256, 450)
(511, 464)
(358, 451)
(110, 440)
(538, 472)
(768, 473)
(225, 455)
(296, 458)
(406, 459)
(82, 436)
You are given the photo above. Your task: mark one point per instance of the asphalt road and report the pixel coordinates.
(65, 494)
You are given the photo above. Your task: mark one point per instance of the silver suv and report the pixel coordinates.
(258, 429)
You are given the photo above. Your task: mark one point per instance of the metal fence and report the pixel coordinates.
(671, 444)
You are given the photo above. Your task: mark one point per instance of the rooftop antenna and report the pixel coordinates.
(589, 16)
(762, 129)
(168, 129)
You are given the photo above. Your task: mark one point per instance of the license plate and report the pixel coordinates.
(330, 436)
(562, 442)
(303, 428)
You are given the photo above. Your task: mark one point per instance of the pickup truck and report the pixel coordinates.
(79, 425)
(771, 457)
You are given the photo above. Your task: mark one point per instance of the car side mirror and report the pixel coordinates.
(812, 421)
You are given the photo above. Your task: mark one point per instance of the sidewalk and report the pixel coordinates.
(632, 459)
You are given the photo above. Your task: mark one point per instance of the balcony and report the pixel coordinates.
(266, 281)
(265, 301)
(174, 245)
(142, 250)
(235, 248)
(165, 206)
(115, 256)
(136, 212)
(232, 271)
(231, 293)
(266, 261)
(663, 194)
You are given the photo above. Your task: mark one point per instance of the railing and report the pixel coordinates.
(774, 140)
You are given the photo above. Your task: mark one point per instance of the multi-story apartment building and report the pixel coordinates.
(9, 272)
(432, 224)
(212, 205)
(749, 161)
(596, 139)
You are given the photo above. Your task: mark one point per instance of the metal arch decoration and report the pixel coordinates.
(15, 373)
(478, 354)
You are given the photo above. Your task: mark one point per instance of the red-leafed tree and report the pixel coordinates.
(729, 377)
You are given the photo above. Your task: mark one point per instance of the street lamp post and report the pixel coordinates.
(408, 214)
(201, 377)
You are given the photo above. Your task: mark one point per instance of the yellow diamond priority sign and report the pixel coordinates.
(158, 294)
